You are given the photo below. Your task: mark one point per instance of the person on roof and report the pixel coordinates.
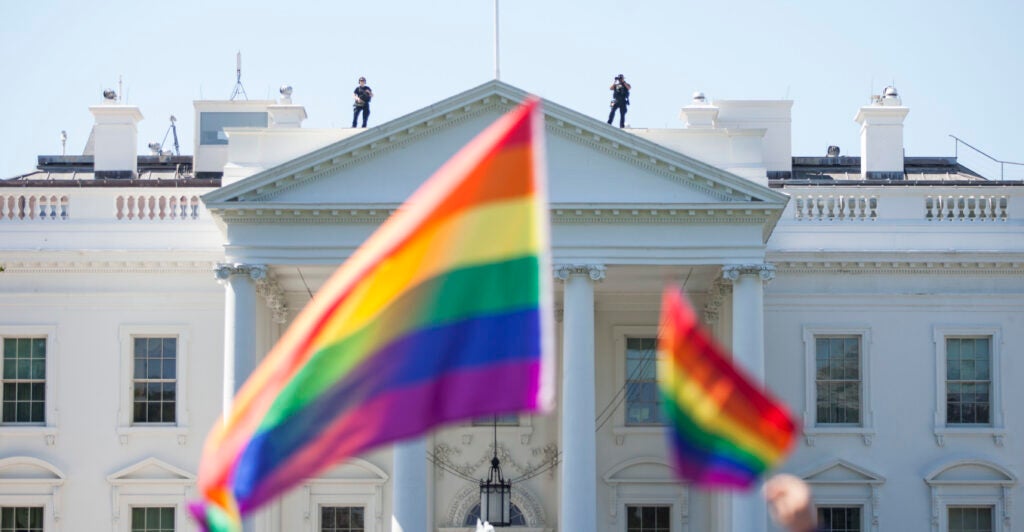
(620, 99)
(362, 96)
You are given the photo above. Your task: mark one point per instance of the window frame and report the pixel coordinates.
(47, 429)
(996, 429)
(175, 507)
(620, 334)
(843, 503)
(126, 426)
(668, 506)
(811, 428)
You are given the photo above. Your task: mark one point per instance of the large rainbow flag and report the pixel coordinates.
(443, 314)
(725, 432)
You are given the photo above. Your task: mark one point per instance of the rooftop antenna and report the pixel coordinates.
(120, 82)
(63, 142)
(239, 89)
(497, 56)
(172, 130)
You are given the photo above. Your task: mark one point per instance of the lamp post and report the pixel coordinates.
(496, 492)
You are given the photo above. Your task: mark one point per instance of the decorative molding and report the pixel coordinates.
(732, 272)
(270, 290)
(902, 267)
(302, 214)
(719, 292)
(256, 272)
(596, 272)
(104, 266)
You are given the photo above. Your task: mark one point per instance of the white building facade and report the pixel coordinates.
(881, 297)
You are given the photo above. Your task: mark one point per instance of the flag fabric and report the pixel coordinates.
(725, 431)
(443, 314)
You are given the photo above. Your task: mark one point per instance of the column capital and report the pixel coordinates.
(596, 272)
(270, 290)
(224, 270)
(732, 272)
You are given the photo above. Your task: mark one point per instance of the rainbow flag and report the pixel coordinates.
(725, 432)
(443, 314)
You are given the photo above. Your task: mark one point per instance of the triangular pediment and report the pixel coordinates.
(589, 164)
(841, 472)
(150, 470)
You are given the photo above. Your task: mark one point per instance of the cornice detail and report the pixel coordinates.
(623, 215)
(732, 272)
(903, 267)
(596, 272)
(94, 266)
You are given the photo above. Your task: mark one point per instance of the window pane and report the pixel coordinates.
(345, 519)
(840, 518)
(648, 518)
(21, 519)
(838, 380)
(968, 381)
(970, 518)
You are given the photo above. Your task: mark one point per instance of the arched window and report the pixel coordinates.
(515, 516)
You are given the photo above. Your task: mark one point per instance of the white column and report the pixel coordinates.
(578, 495)
(239, 325)
(749, 512)
(240, 354)
(409, 487)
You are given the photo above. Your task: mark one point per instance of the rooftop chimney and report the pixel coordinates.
(881, 136)
(699, 114)
(115, 138)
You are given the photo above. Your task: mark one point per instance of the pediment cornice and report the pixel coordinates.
(375, 142)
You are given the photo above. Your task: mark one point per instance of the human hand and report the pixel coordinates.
(789, 503)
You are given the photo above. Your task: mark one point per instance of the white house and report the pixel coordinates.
(880, 296)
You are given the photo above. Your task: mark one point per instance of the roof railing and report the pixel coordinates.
(1002, 164)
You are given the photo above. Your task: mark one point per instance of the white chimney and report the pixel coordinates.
(115, 138)
(881, 136)
(699, 114)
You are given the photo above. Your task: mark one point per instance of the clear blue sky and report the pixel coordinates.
(956, 64)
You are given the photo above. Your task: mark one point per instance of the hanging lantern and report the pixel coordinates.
(496, 492)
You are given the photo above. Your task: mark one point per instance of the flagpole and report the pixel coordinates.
(497, 60)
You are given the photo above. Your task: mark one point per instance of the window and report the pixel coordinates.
(153, 395)
(968, 381)
(341, 519)
(154, 380)
(837, 387)
(21, 519)
(153, 519)
(515, 518)
(643, 400)
(212, 124)
(968, 399)
(970, 518)
(502, 420)
(647, 518)
(24, 380)
(840, 518)
(837, 380)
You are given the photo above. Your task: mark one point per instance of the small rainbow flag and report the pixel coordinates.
(725, 431)
(443, 314)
